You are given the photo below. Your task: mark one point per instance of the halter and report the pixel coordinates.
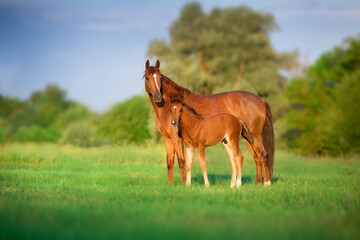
(181, 110)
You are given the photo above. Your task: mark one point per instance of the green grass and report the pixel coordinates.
(52, 192)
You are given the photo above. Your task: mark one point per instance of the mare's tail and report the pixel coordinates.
(246, 132)
(268, 138)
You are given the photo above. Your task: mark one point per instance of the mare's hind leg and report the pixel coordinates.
(201, 151)
(189, 160)
(262, 161)
(232, 155)
(257, 163)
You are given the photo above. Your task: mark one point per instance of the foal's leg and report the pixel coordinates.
(231, 154)
(189, 160)
(170, 152)
(201, 151)
(239, 160)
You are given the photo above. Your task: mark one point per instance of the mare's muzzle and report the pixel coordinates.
(157, 97)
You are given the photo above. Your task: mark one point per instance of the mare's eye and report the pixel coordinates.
(147, 78)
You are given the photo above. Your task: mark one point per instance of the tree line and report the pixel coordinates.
(223, 50)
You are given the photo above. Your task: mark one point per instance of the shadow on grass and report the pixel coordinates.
(222, 178)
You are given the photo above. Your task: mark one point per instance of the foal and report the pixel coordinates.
(200, 132)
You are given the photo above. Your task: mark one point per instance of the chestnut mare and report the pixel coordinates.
(200, 132)
(253, 110)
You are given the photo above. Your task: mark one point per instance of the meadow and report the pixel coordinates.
(120, 192)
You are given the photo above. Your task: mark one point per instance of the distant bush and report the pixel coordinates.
(126, 121)
(36, 134)
(81, 134)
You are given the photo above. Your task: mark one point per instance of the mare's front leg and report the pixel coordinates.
(179, 149)
(189, 161)
(201, 151)
(170, 155)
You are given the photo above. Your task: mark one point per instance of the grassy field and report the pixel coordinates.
(52, 192)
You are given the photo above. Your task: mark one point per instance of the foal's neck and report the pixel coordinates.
(191, 120)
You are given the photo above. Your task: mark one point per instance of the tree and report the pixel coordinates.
(325, 103)
(227, 49)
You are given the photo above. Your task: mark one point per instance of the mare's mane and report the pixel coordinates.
(170, 84)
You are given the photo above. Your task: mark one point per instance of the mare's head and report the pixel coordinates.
(153, 81)
(176, 108)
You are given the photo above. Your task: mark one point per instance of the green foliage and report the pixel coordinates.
(36, 134)
(81, 134)
(155, 136)
(74, 113)
(120, 192)
(325, 104)
(126, 121)
(42, 118)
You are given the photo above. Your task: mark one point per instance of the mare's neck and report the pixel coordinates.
(169, 88)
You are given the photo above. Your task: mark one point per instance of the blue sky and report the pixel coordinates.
(96, 50)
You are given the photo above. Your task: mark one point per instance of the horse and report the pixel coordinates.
(252, 109)
(199, 132)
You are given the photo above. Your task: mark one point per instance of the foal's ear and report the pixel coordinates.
(157, 65)
(147, 64)
(172, 100)
(182, 99)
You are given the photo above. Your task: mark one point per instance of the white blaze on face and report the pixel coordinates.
(174, 107)
(157, 86)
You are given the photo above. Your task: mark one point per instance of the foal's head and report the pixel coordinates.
(153, 81)
(176, 108)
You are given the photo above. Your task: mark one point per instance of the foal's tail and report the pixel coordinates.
(246, 132)
(268, 138)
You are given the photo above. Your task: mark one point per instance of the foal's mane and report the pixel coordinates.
(192, 110)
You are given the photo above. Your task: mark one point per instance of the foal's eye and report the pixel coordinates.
(147, 78)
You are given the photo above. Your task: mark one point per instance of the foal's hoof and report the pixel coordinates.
(232, 185)
(188, 184)
(207, 185)
(238, 183)
(267, 184)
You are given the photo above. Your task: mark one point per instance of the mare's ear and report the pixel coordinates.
(147, 64)
(157, 65)
(182, 99)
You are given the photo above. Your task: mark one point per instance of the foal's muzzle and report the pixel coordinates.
(173, 122)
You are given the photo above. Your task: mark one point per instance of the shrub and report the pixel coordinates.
(127, 121)
(81, 134)
(36, 134)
